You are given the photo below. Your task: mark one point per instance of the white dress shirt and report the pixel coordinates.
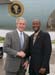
(21, 37)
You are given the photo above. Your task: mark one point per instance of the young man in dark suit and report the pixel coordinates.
(39, 50)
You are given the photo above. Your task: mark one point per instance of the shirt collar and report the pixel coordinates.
(36, 33)
(18, 32)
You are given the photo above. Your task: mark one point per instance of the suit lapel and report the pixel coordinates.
(32, 39)
(25, 41)
(38, 37)
(17, 39)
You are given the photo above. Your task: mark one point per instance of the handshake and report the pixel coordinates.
(21, 54)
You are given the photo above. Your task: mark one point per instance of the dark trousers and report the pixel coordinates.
(33, 72)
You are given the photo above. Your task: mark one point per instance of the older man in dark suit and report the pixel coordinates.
(15, 45)
(39, 50)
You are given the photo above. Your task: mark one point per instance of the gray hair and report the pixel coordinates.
(36, 20)
(19, 18)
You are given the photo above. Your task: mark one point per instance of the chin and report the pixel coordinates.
(21, 30)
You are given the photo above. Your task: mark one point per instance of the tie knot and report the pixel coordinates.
(20, 33)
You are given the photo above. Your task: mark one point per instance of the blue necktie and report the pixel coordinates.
(21, 39)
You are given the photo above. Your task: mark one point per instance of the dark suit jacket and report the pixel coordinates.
(40, 52)
(11, 47)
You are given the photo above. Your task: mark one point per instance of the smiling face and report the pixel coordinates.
(36, 25)
(21, 24)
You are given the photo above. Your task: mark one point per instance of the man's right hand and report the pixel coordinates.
(21, 54)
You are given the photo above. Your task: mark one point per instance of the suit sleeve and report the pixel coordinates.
(47, 50)
(7, 46)
(27, 49)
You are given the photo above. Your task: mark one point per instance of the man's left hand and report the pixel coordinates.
(42, 70)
